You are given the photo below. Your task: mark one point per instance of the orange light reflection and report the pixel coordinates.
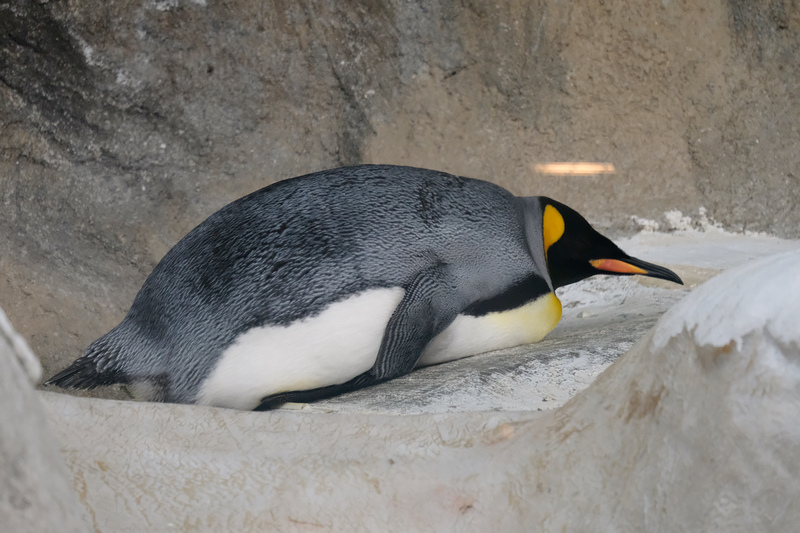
(578, 168)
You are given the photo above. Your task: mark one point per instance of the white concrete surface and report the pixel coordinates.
(36, 492)
(696, 428)
(18, 347)
(603, 317)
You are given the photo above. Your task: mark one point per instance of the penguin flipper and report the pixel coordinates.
(307, 396)
(427, 308)
(425, 311)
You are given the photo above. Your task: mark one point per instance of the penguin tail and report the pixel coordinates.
(98, 366)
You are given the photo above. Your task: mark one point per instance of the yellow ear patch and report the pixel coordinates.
(552, 226)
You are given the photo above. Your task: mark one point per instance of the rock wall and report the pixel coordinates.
(125, 123)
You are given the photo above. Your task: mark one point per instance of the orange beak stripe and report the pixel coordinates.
(613, 265)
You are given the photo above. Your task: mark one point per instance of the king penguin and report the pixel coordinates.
(342, 279)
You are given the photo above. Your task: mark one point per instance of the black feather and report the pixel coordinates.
(95, 368)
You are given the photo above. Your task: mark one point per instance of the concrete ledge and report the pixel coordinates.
(695, 428)
(35, 489)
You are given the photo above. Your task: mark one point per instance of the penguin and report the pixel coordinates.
(342, 279)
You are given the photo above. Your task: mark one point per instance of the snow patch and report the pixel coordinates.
(605, 291)
(646, 225)
(676, 221)
(715, 249)
(760, 296)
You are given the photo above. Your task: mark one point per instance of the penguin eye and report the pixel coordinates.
(552, 226)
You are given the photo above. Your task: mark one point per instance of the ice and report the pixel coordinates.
(712, 248)
(760, 296)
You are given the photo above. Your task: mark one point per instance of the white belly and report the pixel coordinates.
(343, 341)
(333, 347)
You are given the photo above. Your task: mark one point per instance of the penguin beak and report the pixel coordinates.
(631, 265)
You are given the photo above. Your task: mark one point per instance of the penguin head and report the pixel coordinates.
(575, 250)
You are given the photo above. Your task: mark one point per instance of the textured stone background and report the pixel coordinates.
(125, 123)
